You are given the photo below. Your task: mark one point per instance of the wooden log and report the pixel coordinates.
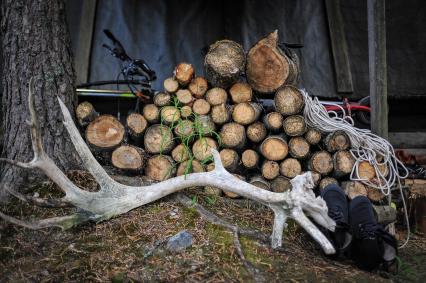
(128, 158)
(105, 133)
(289, 101)
(246, 113)
(198, 87)
(294, 125)
(230, 159)
(353, 189)
(201, 148)
(294, 68)
(260, 182)
(170, 115)
(241, 92)
(298, 147)
(250, 159)
(280, 184)
(201, 107)
(85, 113)
(184, 96)
(233, 135)
(158, 139)
(216, 96)
(313, 136)
(337, 140)
(181, 153)
(184, 129)
(204, 125)
(220, 114)
(327, 181)
(189, 166)
(185, 111)
(343, 163)
(274, 148)
(290, 168)
(151, 113)
(224, 63)
(321, 162)
(162, 99)
(273, 121)
(136, 125)
(160, 167)
(270, 169)
(375, 195)
(366, 171)
(171, 85)
(267, 66)
(184, 72)
(256, 132)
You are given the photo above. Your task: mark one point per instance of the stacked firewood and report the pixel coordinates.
(266, 147)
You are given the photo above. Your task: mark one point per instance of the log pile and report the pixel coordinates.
(192, 114)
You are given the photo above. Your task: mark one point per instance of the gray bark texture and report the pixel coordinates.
(34, 42)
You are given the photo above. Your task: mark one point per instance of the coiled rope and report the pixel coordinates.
(366, 147)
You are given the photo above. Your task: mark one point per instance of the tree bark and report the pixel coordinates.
(35, 42)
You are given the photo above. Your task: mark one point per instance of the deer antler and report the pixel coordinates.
(114, 198)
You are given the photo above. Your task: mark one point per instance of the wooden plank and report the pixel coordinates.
(408, 139)
(377, 66)
(85, 38)
(339, 47)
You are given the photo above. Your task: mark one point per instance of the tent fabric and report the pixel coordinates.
(165, 33)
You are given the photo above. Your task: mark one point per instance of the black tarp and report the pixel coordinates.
(165, 33)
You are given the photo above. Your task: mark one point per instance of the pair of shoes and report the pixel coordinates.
(357, 228)
(337, 205)
(372, 245)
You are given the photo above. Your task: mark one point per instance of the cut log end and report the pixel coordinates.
(198, 87)
(321, 162)
(270, 169)
(158, 139)
(220, 114)
(260, 182)
(298, 147)
(230, 159)
(85, 113)
(267, 66)
(171, 85)
(256, 132)
(343, 163)
(184, 96)
(189, 166)
(327, 181)
(246, 113)
(274, 148)
(294, 125)
(136, 125)
(151, 113)
(224, 63)
(273, 121)
(170, 114)
(337, 140)
(353, 189)
(181, 153)
(201, 107)
(290, 168)
(233, 135)
(202, 148)
(184, 72)
(241, 92)
(250, 159)
(128, 158)
(105, 133)
(162, 99)
(289, 101)
(160, 167)
(313, 136)
(184, 129)
(216, 96)
(281, 184)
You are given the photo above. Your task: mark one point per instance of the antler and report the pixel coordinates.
(114, 198)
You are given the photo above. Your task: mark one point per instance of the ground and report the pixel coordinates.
(130, 248)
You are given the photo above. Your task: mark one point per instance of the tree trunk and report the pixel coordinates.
(35, 42)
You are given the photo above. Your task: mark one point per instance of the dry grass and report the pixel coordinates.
(130, 248)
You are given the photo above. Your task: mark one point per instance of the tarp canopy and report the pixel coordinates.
(165, 33)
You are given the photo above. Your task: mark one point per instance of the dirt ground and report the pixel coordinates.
(130, 248)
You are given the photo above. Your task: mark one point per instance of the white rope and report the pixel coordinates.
(366, 147)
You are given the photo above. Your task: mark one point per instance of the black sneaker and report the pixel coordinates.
(337, 205)
(371, 244)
